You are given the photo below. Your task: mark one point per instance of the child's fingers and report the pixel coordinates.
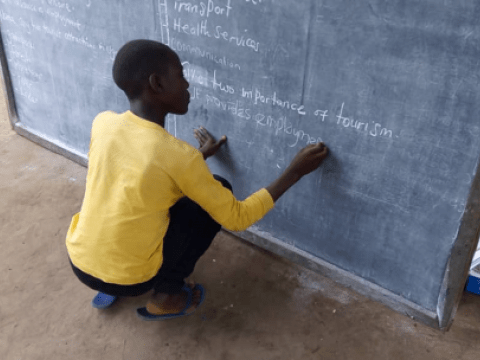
(320, 148)
(200, 135)
(199, 131)
(316, 152)
(205, 132)
(314, 149)
(322, 154)
(204, 137)
(201, 141)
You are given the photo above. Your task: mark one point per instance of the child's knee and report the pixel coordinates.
(224, 182)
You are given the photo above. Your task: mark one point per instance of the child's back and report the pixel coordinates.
(137, 172)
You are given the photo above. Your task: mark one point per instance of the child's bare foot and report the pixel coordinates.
(165, 304)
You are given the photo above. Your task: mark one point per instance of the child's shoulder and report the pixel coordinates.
(173, 154)
(104, 116)
(179, 146)
(107, 114)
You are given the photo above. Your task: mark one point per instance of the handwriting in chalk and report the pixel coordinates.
(218, 85)
(61, 5)
(198, 51)
(277, 125)
(255, 97)
(33, 75)
(13, 39)
(282, 125)
(65, 21)
(204, 9)
(248, 103)
(52, 13)
(236, 108)
(6, 17)
(272, 99)
(375, 130)
(203, 29)
(24, 88)
(18, 55)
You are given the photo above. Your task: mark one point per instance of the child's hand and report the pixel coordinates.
(308, 159)
(208, 145)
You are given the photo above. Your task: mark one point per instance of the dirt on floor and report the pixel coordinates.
(258, 306)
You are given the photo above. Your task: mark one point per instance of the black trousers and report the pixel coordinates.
(190, 233)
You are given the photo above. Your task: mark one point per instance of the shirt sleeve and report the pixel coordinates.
(198, 183)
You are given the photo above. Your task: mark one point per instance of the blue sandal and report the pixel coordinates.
(103, 301)
(143, 313)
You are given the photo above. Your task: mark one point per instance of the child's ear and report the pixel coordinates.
(155, 82)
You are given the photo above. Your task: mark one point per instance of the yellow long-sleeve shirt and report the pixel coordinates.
(136, 172)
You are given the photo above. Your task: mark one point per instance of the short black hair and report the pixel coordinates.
(136, 61)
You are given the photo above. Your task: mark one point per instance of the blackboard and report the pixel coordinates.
(391, 88)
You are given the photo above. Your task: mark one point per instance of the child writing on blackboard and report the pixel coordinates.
(151, 206)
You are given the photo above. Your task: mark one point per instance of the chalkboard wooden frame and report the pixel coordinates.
(455, 274)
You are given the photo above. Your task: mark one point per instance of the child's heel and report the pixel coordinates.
(103, 301)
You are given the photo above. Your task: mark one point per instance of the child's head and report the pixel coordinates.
(145, 68)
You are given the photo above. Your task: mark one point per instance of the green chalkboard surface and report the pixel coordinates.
(391, 88)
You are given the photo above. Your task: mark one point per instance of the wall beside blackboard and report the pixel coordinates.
(391, 87)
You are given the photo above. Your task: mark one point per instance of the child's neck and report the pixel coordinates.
(148, 112)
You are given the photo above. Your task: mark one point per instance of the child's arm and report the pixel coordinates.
(306, 160)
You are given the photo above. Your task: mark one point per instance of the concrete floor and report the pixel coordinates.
(258, 306)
